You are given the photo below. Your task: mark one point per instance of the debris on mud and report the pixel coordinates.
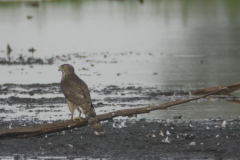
(143, 139)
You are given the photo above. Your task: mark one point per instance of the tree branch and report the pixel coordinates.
(230, 89)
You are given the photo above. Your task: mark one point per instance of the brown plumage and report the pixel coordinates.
(78, 97)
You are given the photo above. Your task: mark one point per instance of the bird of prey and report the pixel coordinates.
(78, 97)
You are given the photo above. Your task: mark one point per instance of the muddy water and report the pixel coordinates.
(130, 55)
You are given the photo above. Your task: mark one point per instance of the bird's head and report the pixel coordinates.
(66, 69)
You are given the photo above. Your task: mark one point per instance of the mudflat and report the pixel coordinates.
(131, 139)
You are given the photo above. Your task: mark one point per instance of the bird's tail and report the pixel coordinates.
(96, 126)
(93, 121)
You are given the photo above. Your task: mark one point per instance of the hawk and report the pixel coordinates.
(78, 97)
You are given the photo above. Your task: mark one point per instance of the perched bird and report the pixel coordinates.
(31, 50)
(9, 50)
(78, 97)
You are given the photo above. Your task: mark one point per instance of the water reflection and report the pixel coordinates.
(157, 26)
(172, 27)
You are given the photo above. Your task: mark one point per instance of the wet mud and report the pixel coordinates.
(121, 94)
(19, 59)
(131, 139)
(21, 101)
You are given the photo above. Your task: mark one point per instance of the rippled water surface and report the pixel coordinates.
(129, 53)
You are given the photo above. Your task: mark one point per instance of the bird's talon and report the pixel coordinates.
(79, 118)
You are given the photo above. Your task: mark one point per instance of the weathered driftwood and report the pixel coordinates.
(59, 126)
(231, 88)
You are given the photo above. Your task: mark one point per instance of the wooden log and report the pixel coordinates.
(69, 124)
(231, 88)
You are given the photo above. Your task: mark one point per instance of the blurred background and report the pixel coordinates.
(129, 52)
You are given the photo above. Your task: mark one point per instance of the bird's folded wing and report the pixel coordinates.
(76, 91)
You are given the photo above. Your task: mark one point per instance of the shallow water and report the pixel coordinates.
(124, 50)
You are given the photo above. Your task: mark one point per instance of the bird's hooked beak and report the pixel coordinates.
(59, 69)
